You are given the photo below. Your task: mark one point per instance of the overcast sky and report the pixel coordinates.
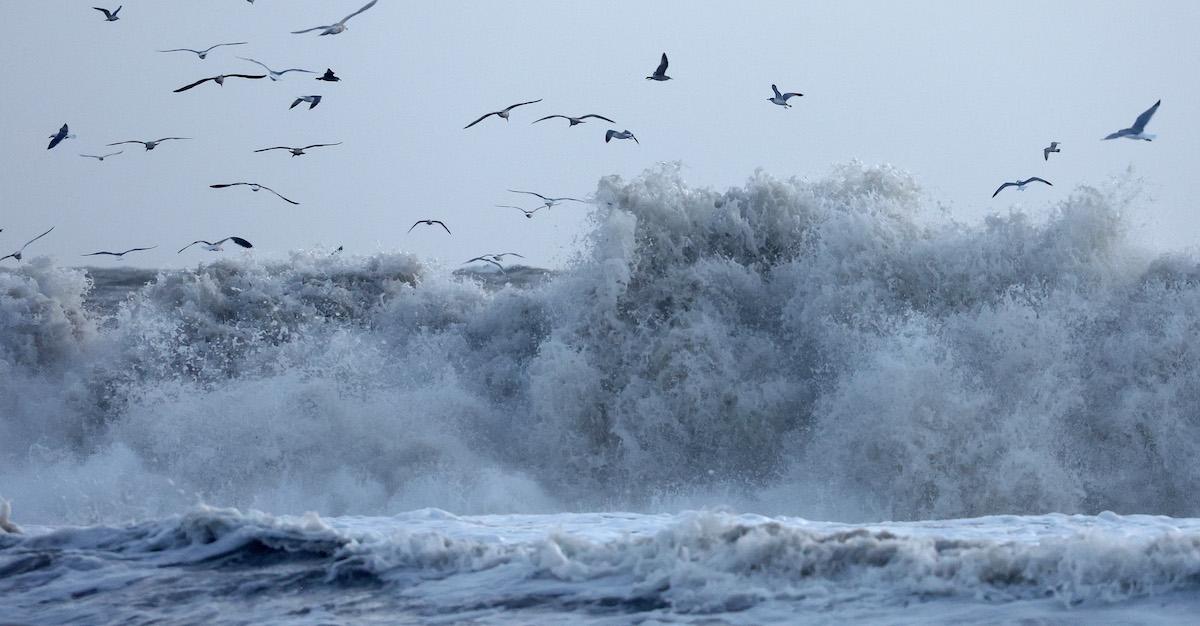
(962, 95)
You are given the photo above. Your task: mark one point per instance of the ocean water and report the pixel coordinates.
(642, 436)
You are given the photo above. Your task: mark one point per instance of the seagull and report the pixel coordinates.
(338, 251)
(272, 73)
(119, 255)
(338, 28)
(1020, 184)
(17, 255)
(504, 113)
(253, 187)
(299, 151)
(496, 257)
(328, 76)
(782, 98)
(625, 134)
(312, 101)
(101, 158)
(1137, 131)
(660, 74)
(150, 145)
(220, 80)
(56, 138)
(528, 212)
(109, 16)
(550, 202)
(574, 121)
(1053, 148)
(203, 54)
(216, 247)
(428, 223)
(485, 259)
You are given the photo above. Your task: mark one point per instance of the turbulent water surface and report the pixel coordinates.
(832, 349)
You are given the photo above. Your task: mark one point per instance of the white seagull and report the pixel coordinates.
(1052, 148)
(253, 187)
(299, 151)
(312, 101)
(660, 74)
(550, 202)
(625, 134)
(272, 73)
(109, 16)
(528, 212)
(216, 246)
(1020, 184)
(17, 255)
(782, 98)
(339, 27)
(220, 80)
(150, 145)
(56, 138)
(504, 113)
(101, 157)
(203, 54)
(1137, 131)
(574, 121)
(485, 259)
(428, 223)
(119, 255)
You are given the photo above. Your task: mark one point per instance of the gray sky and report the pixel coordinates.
(963, 95)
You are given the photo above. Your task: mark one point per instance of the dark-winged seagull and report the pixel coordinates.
(17, 255)
(1138, 130)
(220, 80)
(782, 98)
(312, 101)
(274, 75)
(625, 134)
(109, 16)
(485, 259)
(203, 54)
(119, 255)
(299, 151)
(1020, 184)
(253, 187)
(216, 246)
(57, 138)
(574, 121)
(550, 202)
(661, 72)
(496, 257)
(428, 223)
(1052, 148)
(336, 28)
(150, 145)
(504, 113)
(329, 76)
(102, 156)
(528, 212)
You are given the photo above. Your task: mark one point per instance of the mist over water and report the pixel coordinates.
(835, 348)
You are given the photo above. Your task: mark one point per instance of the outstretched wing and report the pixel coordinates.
(776, 90)
(104, 11)
(599, 117)
(211, 48)
(278, 194)
(321, 145)
(239, 241)
(35, 239)
(368, 5)
(186, 50)
(521, 104)
(187, 87)
(294, 69)
(549, 117)
(662, 66)
(275, 148)
(125, 142)
(609, 135)
(481, 118)
(258, 63)
(439, 223)
(532, 193)
(308, 30)
(1140, 123)
(1001, 188)
(192, 244)
(168, 139)
(410, 228)
(1040, 180)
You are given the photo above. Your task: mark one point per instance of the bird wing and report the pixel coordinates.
(250, 76)
(481, 118)
(1140, 123)
(496, 263)
(275, 148)
(58, 137)
(166, 139)
(296, 103)
(367, 6)
(114, 153)
(309, 30)
(1040, 180)
(138, 249)
(776, 90)
(521, 104)
(102, 252)
(35, 239)
(1046, 153)
(315, 101)
(410, 228)
(599, 117)
(194, 243)
(258, 63)
(504, 254)
(125, 142)
(239, 241)
(478, 258)
(549, 117)
(104, 11)
(186, 50)
(792, 93)
(1120, 133)
(236, 43)
(1001, 188)
(8, 256)
(321, 145)
(278, 194)
(662, 66)
(295, 69)
(609, 135)
(509, 206)
(635, 139)
(439, 223)
(224, 185)
(199, 82)
(532, 193)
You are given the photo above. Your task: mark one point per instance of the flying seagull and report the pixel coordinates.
(782, 98)
(428, 223)
(660, 74)
(503, 113)
(574, 121)
(101, 157)
(203, 54)
(1053, 148)
(339, 27)
(1020, 184)
(216, 247)
(329, 76)
(485, 259)
(299, 151)
(494, 257)
(272, 73)
(550, 202)
(528, 212)
(119, 255)
(1137, 131)
(150, 145)
(109, 16)
(56, 138)
(312, 101)
(220, 80)
(625, 134)
(17, 255)
(253, 187)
